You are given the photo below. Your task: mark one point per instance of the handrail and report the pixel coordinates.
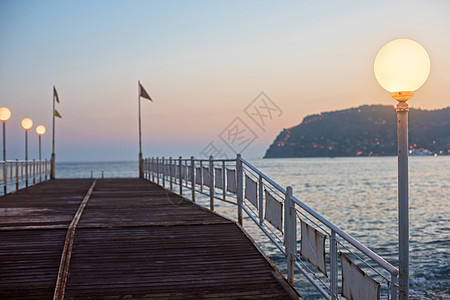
(22, 173)
(375, 257)
(205, 159)
(264, 176)
(22, 160)
(184, 172)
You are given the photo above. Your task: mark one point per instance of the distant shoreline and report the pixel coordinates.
(368, 130)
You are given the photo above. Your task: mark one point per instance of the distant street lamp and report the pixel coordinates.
(401, 67)
(40, 130)
(5, 114)
(27, 123)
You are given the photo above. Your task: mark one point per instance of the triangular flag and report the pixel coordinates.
(143, 93)
(57, 114)
(55, 94)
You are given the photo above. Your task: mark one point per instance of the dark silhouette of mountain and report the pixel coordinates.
(369, 130)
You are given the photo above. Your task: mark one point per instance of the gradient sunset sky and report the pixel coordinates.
(202, 62)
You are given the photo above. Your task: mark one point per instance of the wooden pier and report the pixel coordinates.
(125, 239)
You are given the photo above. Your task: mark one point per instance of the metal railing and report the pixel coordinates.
(279, 215)
(16, 174)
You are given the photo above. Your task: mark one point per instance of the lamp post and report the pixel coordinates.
(5, 114)
(40, 130)
(401, 67)
(27, 123)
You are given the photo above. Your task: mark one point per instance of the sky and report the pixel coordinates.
(205, 64)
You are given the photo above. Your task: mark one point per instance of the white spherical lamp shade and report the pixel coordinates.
(40, 129)
(5, 114)
(402, 65)
(27, 123)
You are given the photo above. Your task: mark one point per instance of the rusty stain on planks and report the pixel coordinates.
(134, 239)
(64, 265)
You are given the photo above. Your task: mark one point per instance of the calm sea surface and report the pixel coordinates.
(358, 194)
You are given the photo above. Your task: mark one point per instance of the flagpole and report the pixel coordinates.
(141, 167)
(53, 163)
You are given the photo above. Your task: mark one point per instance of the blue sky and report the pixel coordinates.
(203, 62)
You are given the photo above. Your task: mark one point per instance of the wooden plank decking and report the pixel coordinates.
(134, 239)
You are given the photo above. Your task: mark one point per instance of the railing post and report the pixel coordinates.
(152, 169)
(17, 175)
(394, 283)
(239, 187)
(144, 168)
(224, 190)
(260, 201)
(163, 172)
(160, 171)
(45, 170)
(201, 176)
(147, 169)
(157, 170)
(293, 236)
(180, 175)
(34, 171)
(211, 183)
(290, 233)
(333, 266)
(26, 173)
(193, 178)
(186, 173)
(5, 181)
(170, 174)
(152, 163)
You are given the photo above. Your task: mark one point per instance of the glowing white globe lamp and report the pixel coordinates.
(401, 67)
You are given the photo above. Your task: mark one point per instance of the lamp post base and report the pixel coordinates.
(141, 166)
(52, 166)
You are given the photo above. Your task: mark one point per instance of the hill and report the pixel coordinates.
(369, 130)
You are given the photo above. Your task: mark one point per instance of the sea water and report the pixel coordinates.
(358, 194)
